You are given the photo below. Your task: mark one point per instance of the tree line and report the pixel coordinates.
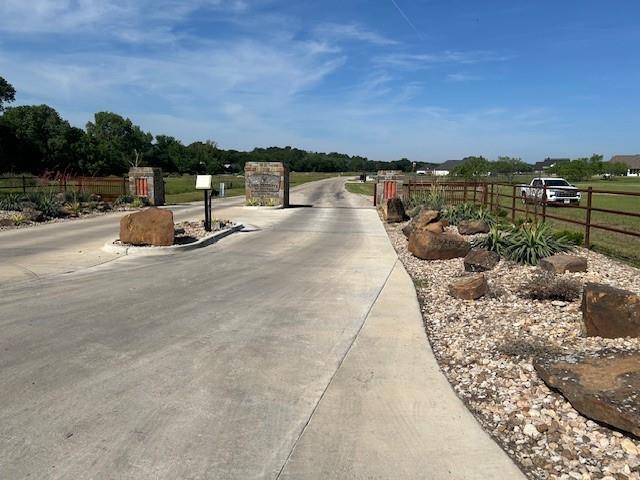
(577, 170)
(36, 139)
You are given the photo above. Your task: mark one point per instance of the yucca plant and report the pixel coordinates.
(10, 201)
(19, 219)
(497, 240)
(532, 242)
(48, 204)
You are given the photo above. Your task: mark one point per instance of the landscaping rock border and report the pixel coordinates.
(129, 250)
(485, 348)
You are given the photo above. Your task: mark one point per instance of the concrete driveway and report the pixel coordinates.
(227, 362)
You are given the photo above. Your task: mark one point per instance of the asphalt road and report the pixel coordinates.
(206, 364)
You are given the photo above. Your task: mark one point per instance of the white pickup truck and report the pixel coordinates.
(550, 191)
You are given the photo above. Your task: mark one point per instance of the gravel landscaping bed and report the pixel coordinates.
(485, 348)
(24, 223)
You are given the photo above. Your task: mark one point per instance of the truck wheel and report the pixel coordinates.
(524, 198)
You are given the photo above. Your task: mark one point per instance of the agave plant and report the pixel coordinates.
(532, 242)
(497, 240)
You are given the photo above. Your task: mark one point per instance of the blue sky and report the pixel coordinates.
(427, 80)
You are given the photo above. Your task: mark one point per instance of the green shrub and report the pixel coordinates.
(575, 238)
(10, 201)
(123, 200)
(74, 207)
(547, 286)
(76, 196)
(139, 202)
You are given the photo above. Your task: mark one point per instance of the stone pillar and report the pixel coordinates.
(266, 184)
(397, 176)
(147, 182)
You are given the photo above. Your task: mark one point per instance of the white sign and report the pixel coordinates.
(203, 182)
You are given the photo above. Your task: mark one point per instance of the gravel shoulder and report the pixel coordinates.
(485, 349)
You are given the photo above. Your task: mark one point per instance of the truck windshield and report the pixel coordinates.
(557, 183)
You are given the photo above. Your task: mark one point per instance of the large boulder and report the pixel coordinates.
(437, 246)
(610, 312)
(393, 211)
(32, 214)
(424, 218)
(480, 260)
(562, 263)
(469, 288)
(471, 227)
(602, 386)
(152, 226)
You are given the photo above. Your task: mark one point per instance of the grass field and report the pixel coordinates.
(182, 189)
(361, 188)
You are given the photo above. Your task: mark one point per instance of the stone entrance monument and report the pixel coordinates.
(266, 184)
(147, 182)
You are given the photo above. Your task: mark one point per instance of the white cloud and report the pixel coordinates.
(351, 31)
(462, 77)
(417, 61)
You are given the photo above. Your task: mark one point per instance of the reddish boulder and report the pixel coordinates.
(562, 263)
(480, 260)
(152, 226)
(437, 246)
(469, 288)
(424, 218)
(610, 312)
(471, 227)
(602, 386)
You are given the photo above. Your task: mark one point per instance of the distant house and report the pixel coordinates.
(445, 168)
(547, 163)
(631, 161)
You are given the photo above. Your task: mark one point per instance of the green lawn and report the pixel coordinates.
(361, 188)
(182, 189)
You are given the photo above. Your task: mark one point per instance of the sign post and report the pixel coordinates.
(203, 182)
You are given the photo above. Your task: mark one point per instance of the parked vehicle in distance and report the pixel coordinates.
(552, 191)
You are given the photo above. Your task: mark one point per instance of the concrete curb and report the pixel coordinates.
(150, 251)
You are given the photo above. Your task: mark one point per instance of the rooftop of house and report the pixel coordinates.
(632, 161)
(548, 162)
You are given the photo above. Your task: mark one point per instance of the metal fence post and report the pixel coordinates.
(513, 205)
(544, 203)
(492, 204)
(24, 184)
(587, 227)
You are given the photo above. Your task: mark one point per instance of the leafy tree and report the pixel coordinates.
(41, 139)
(118, 143)
(615, 168)
(471, 168)
(509, 167)
(203, 158)
(7, 93)
(580, 169)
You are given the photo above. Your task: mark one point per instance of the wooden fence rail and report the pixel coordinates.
(492, 194)
(107, 187)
